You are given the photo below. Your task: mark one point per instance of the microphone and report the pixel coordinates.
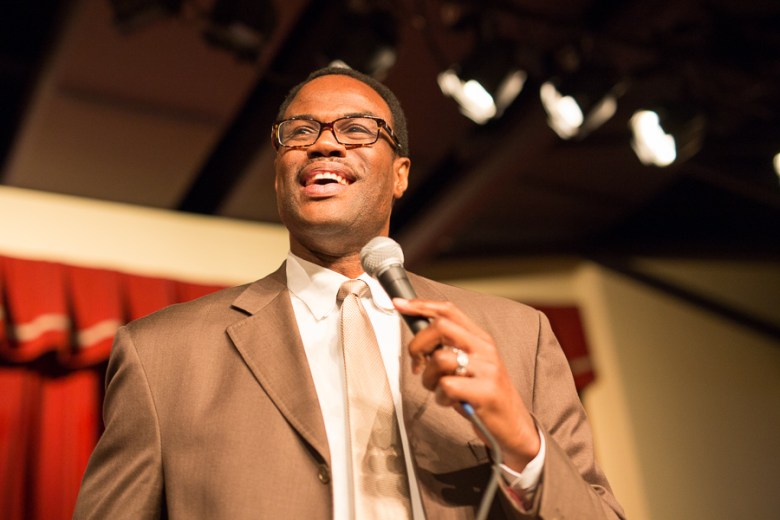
(383, 259)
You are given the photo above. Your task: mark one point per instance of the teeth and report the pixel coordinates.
(330, 176)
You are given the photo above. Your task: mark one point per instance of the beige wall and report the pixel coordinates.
(702, 398)
(686, 405)
(155, 242)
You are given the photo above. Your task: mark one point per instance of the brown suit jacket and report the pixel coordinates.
(211, 412)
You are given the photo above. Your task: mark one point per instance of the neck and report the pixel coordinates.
(347, 264)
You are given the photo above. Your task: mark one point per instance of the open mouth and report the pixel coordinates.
(323, 178)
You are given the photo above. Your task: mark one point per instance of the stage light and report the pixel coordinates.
(580, 103)
(776, 164)
(241, 26)
(485, 84)
(663, 136)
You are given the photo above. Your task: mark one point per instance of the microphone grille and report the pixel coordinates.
(379, 254)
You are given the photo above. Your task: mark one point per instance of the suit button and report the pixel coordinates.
(323, 474)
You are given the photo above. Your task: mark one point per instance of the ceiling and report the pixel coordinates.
(159, 117)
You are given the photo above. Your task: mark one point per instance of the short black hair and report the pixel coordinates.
(399, 118)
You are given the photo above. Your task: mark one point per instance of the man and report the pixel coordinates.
(235, 406)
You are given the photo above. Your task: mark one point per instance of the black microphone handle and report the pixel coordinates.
(397, 285)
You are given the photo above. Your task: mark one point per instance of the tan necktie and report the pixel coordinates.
(380, 484)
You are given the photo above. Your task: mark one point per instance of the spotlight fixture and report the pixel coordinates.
(665, 135)
(241, 26)
(485, 84)
(578, 104)
(366, 40)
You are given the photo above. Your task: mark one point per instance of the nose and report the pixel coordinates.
(326, 145)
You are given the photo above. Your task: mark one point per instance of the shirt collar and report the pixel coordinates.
(317, 286)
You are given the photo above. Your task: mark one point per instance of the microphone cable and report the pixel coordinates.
(490, 490)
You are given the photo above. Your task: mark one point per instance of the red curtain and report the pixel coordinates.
(566, 323)
(57, 323)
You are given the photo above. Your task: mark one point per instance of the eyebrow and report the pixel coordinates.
(351, 114)
(360, 114)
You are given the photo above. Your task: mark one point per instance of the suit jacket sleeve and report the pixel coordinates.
(124, 476)
(572, 484)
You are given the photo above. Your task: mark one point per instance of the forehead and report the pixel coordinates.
(329, 97)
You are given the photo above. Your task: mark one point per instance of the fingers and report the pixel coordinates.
(454, 376)
(448, 361)
(452, 336)
(441, 363)
(439, 310)
(449, 326)
(442, 373)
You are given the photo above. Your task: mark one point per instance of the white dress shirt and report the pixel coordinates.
(313, 292)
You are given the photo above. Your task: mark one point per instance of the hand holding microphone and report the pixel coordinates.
(383, 259)
(487, 387)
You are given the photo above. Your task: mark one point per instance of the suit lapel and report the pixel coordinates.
(271, 346)
(415, 397)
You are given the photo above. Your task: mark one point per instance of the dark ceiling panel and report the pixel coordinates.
(512, 186)
(28, 29)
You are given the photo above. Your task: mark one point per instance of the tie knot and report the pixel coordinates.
(356, 287)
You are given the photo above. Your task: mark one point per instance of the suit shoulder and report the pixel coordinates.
(470, 300)
(203, 308)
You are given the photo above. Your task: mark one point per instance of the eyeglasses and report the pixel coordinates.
(351, 131)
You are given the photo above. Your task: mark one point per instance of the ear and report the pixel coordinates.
(401, 167)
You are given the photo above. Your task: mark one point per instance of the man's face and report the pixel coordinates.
(333, 199)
